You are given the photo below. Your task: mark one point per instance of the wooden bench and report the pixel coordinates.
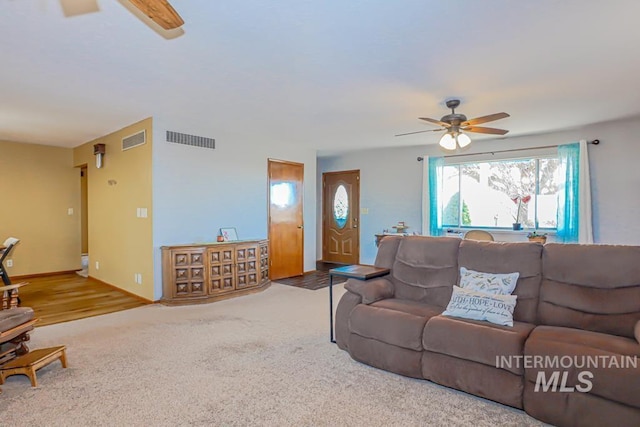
(29, 363)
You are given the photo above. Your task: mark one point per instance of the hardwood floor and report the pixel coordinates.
(314, 280)
(66, 297)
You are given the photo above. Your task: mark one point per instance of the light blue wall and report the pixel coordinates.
(390, 187)
(196, 191)
(391, 181)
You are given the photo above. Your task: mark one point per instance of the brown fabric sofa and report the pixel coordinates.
(573, 301)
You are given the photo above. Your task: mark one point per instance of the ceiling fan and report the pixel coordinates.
(160, 12)
(457, 124)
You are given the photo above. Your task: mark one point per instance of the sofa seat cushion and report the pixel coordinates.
(608, 357)
(478, 341)
(393, 321)
(13, 317)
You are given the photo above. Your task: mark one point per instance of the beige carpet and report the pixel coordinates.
(263, 359)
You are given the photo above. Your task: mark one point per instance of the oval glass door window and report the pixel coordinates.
(341, 206)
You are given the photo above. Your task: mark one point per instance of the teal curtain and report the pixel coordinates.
(436, 168)
(568, 196)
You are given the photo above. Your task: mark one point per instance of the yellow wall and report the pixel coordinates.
(38, 184)
(119, 241)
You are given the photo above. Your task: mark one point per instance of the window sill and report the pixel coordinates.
(503, 235)
(497, 231)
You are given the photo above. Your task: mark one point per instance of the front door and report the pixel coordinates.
(341, 217)
(286, 228)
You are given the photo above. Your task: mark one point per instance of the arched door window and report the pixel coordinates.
(340, 206)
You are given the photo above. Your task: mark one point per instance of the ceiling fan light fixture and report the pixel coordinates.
(455, 123)
(463, 140)
(448, 142)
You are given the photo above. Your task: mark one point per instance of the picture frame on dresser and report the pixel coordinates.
(229, 234)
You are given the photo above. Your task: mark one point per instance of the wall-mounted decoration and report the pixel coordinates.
(99, 151)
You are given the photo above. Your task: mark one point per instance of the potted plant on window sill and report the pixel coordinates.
(519, 200)
(534, 236)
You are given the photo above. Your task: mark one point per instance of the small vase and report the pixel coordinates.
(517, 226)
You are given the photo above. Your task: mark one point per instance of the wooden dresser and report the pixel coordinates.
(199, 273)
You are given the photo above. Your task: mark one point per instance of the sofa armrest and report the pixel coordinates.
(637, 331)
(370, 290)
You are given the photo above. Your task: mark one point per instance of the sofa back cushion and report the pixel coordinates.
(387, 250)
(591, 287)
(499, 257)
(425, 269)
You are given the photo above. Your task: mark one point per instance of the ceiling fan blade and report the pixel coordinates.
(160, 11)
(436, 122)
(485, 119)
(479, 129)
(420, 131)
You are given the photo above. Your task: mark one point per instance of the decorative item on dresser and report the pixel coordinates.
(229, 234)
(199, 273)
(400, 230)
(401, 227)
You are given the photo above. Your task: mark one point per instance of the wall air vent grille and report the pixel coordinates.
(134, 140)
(196, 141)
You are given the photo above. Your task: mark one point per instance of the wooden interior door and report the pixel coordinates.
(341, 217)
(286, 226)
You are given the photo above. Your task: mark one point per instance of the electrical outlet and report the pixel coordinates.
(9, 263)
(70, 211)
(97, 265)
(364, 211)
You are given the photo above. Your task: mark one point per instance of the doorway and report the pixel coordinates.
(341, 217)
(285, 217)
(84, 221)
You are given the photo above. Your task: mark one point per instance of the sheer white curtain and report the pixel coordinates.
(574, 198)
(426, 206)
(585, 227)
(432, 196)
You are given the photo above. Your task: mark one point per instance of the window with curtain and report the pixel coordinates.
(543, 188)
(496, 194)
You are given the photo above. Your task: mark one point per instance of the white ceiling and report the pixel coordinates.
(332, 74)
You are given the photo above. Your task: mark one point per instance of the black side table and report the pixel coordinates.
(360, 272)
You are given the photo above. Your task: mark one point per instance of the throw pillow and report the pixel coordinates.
(476, 305)
(492, 283)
